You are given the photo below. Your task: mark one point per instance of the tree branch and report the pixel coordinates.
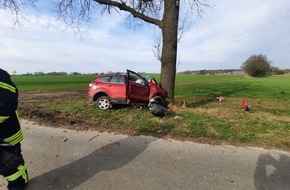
(123, 7)
(15, 7)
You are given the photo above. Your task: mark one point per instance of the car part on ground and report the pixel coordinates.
(158, 110)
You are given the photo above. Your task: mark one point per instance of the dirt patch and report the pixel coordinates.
(26, 96)
(30, 107)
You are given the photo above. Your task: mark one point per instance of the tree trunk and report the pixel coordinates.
(169, 50)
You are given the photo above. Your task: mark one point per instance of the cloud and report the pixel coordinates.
(44, 44)
(234, 30)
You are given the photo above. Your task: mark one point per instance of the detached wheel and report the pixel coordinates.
(103, 103)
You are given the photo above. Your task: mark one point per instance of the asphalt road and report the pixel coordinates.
(60, 159)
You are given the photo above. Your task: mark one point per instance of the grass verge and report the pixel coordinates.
(197, 116)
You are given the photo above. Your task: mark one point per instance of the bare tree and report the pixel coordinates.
(16, 6)
(162, 13)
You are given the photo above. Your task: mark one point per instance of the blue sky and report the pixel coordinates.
(223, 39)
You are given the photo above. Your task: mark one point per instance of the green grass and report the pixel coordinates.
(233, 86)
(202, 117)
(47, 83)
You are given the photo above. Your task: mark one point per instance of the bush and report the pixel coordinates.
(277, 71)
(257, 65)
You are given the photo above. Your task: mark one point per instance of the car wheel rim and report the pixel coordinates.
(103, 104)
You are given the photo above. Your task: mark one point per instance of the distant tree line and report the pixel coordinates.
(255, 66)
(213, 72)
(40, 73)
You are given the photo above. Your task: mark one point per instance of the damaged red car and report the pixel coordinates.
(127, 88)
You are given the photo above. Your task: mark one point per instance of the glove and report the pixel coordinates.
(11, 160)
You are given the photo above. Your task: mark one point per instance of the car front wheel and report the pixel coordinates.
(159, 100)
(103, 103)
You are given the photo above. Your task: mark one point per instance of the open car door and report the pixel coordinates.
(138, 89)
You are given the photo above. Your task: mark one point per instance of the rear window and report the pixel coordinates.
(105, 79)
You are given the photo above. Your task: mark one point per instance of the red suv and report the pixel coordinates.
(130, 88)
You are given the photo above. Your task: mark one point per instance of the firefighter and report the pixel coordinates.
(12, 165)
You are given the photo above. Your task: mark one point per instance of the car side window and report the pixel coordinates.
(122, 79)
(118, 79)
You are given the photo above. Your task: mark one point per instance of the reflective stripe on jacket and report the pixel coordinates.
(14, 139)
(8, 87)
(3, 118)
(8, 96)
(21, 172)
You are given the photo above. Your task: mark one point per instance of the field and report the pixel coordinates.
(196, 116)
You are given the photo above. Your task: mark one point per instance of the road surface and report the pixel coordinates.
(60, 159)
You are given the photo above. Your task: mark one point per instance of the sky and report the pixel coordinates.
(226, 35)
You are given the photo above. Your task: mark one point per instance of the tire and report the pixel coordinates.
(159, 100)
(103, 103)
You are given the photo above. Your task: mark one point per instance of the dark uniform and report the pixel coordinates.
(12, 165)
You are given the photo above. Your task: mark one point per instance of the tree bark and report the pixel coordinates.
(169, 29)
